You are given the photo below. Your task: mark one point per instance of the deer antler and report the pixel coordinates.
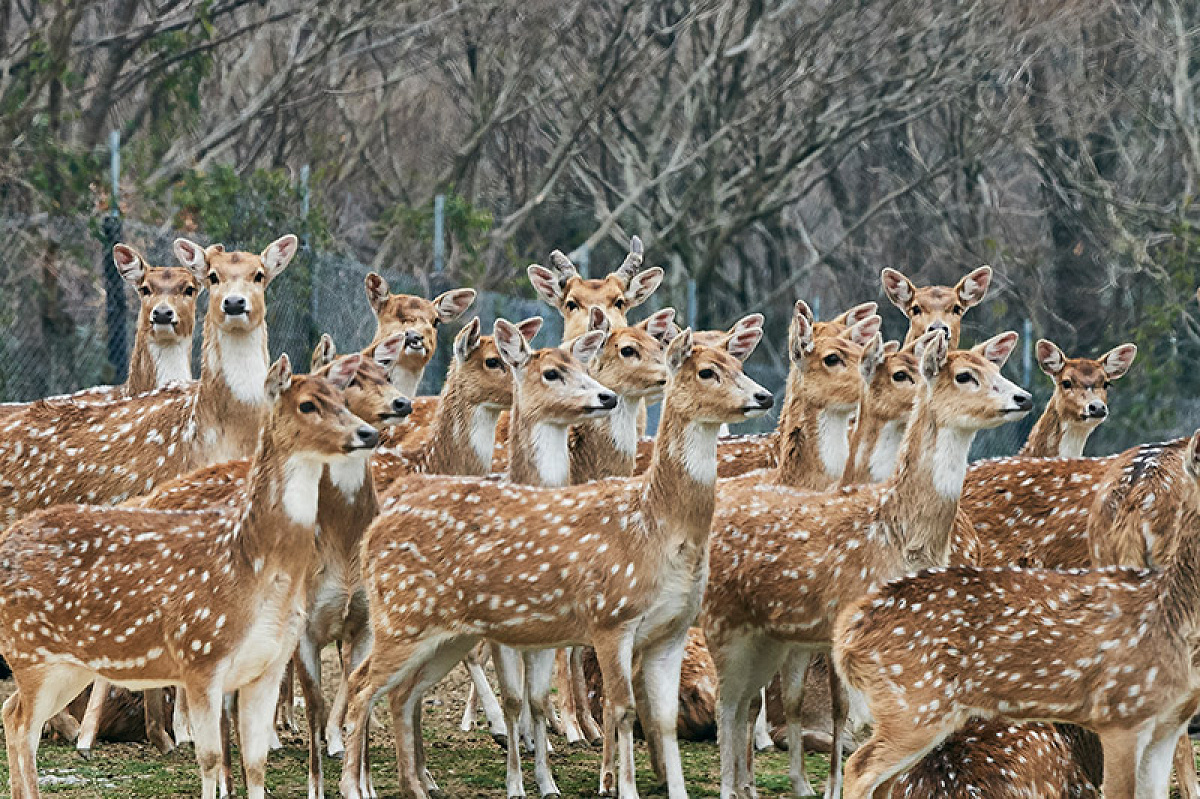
(633, 261)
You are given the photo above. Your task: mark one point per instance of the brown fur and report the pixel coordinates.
(936, 306)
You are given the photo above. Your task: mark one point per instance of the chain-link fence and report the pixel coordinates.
(54, 336)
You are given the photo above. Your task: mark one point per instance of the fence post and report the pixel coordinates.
(582, 258)
(439, 232)
(1027, 354)
(309, 258)
(693, 306)
(114, 286)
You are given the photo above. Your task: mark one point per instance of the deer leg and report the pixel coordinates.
(1121, 760)
(180, 724)
(744, 662)
(228, 711)
(615, 653)
(358, 634)
(255, 723)
(569, 725)
(895, 746)
(286, 706)
(539, 677)
(155, 714)
(608, 752)
(419, 751)
(1185, 768)
(793, 674)
(660, 670)
(509, 668)
(1155, 762)
(583, 707)
(91, 718)
(482, 691)
(839, 705)
(364, 686)
(205, 708)
(41, 693)
(762, 730)
(308, 669)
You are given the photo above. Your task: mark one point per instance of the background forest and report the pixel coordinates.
(764, 151)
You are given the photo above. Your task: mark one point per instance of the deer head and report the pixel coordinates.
(479, 372)
(416, 317)
(237, 281)
(552, 384)
(167, 296)
(631, 361)
(936, 307)
(1081, 384)
(369, 394)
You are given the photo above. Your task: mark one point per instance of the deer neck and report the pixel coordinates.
(405, 380)
(680, 486)
(276, 532)
(346, 503)
(1054, 436)
(606, 447)
(464, 434)
(231, 402)
(152, 364)
(874, 447)
(539, 452)
(814, 442)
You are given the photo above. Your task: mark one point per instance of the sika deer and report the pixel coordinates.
(1107, 649)
(142, 598)
(416, 317)
(56, 452)
(613, 563)
(784, 562)
(936, 307)
(889, 389)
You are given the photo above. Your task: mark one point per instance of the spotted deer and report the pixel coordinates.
(889, 390)
(613, 563)
(784, 562)
(58, 452)
(1106, 649)
(142, 598)
(419, 319)
(936, 307)
(162, 343)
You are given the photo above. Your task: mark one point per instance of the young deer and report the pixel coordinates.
(57, 452)
(890, 381)
(141, 598)
(162, 344)
(419, 319)
(1108, 649)
(936, 307)
(612, 563)
(784, 562)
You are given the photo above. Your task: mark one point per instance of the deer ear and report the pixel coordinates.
(279, 254)
(897, 287)
(862, 332)
(1050, 358)
(972, 288)
(597, 320)
(453, 304)
(800, 332)
(931, 350)
(872, 356)
(997, 348)
(343, 370)
(643, 284)
(1191, 458)
(660, 325)
(387, 352)
(324, 353)
(742, 341)
(467, 340)
(191, 256)
(562, 264)
(545, 284)
(377, 291)
(586, 346)
(129, 264)
(530, 327)
(857, 314)
(679, 350)
(514, 349)
(747, 322)
(632, 262)
(1118, 360)
(279, 378)
(891, 347)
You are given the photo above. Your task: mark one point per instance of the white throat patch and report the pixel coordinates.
(301, 483)
(887, 450)
(950, 450)
(403, 380)
(623, 425)
(699, 454)
(244, 364)
(551, 454)
(483, 434)
(172, 363)
(349, 474)
(833, 440)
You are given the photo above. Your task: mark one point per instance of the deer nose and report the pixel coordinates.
(234, 305)
(413, 339)
(367, 436)
(764, 399)
(401, 406)
(163, 315)
(1097, 409)
(942, 326)
(1023, 400)
(607, 399)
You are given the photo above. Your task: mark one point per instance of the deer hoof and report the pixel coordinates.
(86, 754)
(501, 740)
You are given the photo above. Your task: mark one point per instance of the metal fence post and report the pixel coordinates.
(439, 232)
(1027, 354)
(114, 287)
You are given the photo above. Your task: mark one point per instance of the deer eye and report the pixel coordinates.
(307, 407)
(260, 277)
(1105, 385)
(707, 374)
(964, 378)
(213, 279)
(189, 291)
(572, 305)
(144, 291)
(551, 374)
(492, 363)
(957, 310)
(832, 359)
(900, 377)
(619, 304)
(1067, 385)
(916, 310)
(628, 352)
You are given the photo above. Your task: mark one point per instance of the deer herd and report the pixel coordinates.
(1021, 627)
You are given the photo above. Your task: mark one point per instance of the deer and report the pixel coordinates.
(784, 562)
(889, 389)
(141, 597)
(936, 307)
(615, 563)
(162, 344)
(59, 452)
(1105, 649)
